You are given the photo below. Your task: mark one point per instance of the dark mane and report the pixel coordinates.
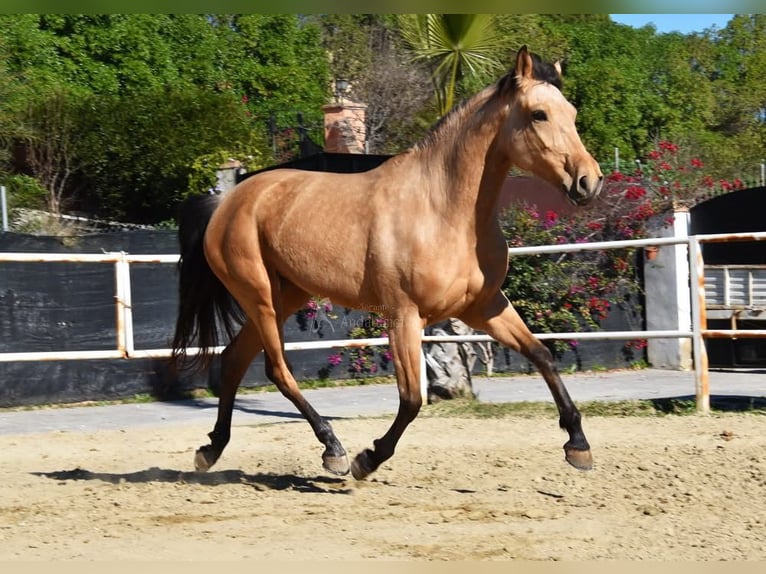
(543, 71)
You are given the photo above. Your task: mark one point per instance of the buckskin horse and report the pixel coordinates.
(417, 240)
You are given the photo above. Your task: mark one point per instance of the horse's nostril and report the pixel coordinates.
(584, 182)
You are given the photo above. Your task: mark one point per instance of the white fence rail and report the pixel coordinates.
(124, 345)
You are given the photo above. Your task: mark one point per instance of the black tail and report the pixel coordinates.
(205, 307)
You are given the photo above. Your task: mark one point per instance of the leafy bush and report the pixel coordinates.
(24, 192)
(565, 292)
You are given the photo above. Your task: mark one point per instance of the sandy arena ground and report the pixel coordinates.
(666, 488)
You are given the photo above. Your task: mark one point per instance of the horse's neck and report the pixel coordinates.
(472, 165)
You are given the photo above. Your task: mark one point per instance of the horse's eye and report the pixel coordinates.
(539, 116)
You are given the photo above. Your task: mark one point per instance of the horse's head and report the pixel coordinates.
(541, 130)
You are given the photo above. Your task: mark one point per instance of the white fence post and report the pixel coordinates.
(124, 306)
(699, 324)
(119, 303)
(4, 207)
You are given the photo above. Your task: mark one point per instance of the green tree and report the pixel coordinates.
(279, 65)
(156, 92)
(29, 54)
(348, 39)
(606, 78)
(737, 79)
(143, 147)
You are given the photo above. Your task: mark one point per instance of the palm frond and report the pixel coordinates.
(455, 45)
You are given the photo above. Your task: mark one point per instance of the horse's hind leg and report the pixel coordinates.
(235, 360)
(263, 304)
(501, 321)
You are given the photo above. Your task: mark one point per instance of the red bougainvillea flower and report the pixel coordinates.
(668, 146)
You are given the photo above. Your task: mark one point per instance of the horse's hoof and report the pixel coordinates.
(362, 465)
(336, 464)
(201, 461)
(580, 459)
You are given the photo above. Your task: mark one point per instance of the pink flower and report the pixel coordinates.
(551, 217)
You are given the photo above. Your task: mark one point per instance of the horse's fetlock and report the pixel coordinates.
(570, 420)
(383, 450)
(218, 438)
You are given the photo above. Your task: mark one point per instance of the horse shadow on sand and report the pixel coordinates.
(247, 404)
(258, 481)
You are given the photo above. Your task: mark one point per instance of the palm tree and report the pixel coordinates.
(454, 45)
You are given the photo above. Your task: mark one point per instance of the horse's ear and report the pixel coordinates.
(524, 64)
(557, 67)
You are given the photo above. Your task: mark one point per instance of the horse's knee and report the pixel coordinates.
(277, 375)
(268, 368)
(274, 375)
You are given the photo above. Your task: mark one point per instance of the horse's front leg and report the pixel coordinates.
(235, 360)
(501, 321)
(405, 340)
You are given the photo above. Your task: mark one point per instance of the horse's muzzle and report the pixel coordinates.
(584, 189)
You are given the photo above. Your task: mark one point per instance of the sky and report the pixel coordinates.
(684, 23)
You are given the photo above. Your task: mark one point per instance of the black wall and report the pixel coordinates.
(330, 162)
(70, 306)
(741, 211)
(736, 212)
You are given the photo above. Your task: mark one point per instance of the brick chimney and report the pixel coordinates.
(344, 127)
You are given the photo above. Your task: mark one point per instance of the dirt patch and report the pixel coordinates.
(667, 488)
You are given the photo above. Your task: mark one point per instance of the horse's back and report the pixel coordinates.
(302, 224)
